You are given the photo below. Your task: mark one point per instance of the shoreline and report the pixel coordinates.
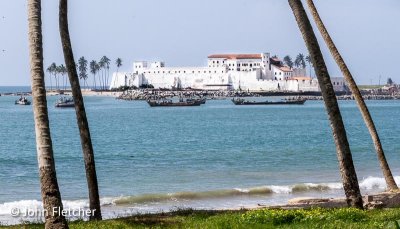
(144, 94)
(382, 200)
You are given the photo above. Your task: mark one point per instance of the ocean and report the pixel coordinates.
(216, 156)
(14, 89)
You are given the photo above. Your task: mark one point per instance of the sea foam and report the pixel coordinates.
(369, 183)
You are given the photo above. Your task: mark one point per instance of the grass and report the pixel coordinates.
(312, 218)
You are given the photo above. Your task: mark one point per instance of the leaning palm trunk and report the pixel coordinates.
(347, 171)
(48, 179)
(83, 125)
(390, 182)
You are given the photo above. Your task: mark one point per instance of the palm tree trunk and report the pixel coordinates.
(347, 170)
(48, 178)
(83, 125)
(390, 182)
(94, 81)
(51, 84)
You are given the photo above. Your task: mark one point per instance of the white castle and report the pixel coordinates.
(253, 72)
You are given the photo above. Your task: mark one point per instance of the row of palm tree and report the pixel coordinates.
(299, 61)
(56, 71)
(48, 180)
(102, 67)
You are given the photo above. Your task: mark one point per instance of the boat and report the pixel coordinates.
(65, 102)
(200, 100)
(299, 101)
(170, 103)
(22, 101)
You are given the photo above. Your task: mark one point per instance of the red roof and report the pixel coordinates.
(285, 69)
(236, 56)
(301, 78)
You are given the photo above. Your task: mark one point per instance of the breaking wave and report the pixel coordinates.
(367, 184)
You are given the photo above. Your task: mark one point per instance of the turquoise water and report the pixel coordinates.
(14, 89)
(213, 156)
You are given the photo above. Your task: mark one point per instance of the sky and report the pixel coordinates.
(184, 33)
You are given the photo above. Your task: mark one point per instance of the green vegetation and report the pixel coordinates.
(265, 218)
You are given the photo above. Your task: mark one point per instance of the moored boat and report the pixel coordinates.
(299, 101)
(200, 100)
(170, 103)
(22, 101)
(65, 102)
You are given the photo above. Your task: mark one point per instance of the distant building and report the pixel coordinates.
(254, 72)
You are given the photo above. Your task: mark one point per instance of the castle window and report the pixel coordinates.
(193, 72)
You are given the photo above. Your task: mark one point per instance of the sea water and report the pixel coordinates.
(215, 156)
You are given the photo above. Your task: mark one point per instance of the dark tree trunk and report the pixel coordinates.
(346, 166)
(48, 178)
(390, 182)
(83, 125)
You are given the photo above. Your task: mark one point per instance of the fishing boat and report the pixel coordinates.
(299, 101)
(22, 101)
(65, 102)
(200, 100)
(170, 103)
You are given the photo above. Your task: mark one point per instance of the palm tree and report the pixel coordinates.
(86, 142)
(51, 70)
(93, 69)
(390, 182)
(309, 61)
(62, 70)
(347, 170)
(98, 68)
(82, 67)
(299, 61)
(106, 66)
(102, 65)
(118, 62)
(288, 61)
(51, 196)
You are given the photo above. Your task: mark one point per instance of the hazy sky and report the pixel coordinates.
(183, 33)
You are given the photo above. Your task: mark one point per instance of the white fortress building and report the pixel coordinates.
(252, 72)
